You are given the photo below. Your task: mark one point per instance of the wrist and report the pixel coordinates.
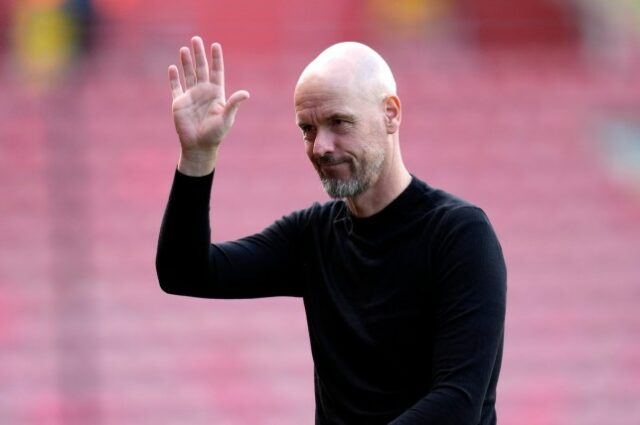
(197, 163)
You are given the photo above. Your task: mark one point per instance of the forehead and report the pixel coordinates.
(316, 99)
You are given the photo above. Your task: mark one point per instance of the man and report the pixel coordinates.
(404, 286)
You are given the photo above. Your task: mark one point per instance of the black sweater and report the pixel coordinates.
(405, 308)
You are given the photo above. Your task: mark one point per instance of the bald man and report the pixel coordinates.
(404, 285)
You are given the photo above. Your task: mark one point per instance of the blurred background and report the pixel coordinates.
(530, 109)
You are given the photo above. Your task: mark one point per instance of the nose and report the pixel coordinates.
(323, 143)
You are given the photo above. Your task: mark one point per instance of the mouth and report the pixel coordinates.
(330, 162)
(331, 168)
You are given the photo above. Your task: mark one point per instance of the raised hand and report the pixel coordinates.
(201, 112)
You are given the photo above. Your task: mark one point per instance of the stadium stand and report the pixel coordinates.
(86, 334)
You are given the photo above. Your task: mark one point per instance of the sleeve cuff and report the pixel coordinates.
(189, 190)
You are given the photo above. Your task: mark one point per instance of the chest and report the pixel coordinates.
(381, 289)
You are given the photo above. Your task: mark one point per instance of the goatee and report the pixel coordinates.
(362, 176)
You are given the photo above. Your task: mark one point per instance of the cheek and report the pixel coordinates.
(308, 149)
(379, 127)
(374, 128)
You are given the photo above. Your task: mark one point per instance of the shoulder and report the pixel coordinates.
(465, 241)
(455, 222)
(446, 209)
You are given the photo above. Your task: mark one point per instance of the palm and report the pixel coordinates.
(201, 114)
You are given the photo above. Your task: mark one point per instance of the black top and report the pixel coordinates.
(405, 308)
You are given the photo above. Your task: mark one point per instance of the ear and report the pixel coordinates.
(392, 113)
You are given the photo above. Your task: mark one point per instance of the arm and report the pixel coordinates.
(186, 262)
(471, 302)
(265, 264)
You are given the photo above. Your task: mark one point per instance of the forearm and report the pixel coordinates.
(459, 398)
(466, 380)
(442, 407)
(182, 259)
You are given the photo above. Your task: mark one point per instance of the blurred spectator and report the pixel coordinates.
(48, 35)
(406, 18)
(4, 24)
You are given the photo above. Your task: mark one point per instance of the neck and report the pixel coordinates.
(389, 185)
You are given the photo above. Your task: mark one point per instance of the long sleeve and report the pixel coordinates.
(470, 325)
(261, 265)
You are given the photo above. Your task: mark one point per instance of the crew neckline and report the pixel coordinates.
(396, 213)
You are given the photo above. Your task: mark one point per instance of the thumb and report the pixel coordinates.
(231, 108)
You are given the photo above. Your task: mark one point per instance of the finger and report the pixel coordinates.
(202, 68)
(187, 68)
(174, 80)
(231, 108)
(217, 66)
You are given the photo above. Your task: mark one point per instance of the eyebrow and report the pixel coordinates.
(342, 116)
(337, 115)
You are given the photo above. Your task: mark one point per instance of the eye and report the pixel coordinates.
(307, 131)
(337, 121)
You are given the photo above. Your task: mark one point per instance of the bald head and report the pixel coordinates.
(353, 65)
(347, 108)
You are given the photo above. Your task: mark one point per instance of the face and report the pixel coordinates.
(344, 136)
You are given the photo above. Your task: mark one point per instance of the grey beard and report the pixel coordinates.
(344, 189)
(358, 184)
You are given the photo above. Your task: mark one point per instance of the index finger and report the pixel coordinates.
(174, 80)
